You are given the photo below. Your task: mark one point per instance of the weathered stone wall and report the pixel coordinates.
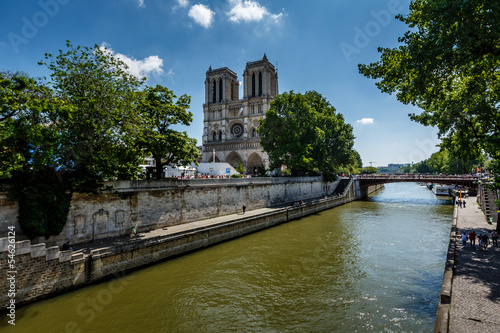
(8, 215)
(41, 272)
(154, 204)
(33, 271)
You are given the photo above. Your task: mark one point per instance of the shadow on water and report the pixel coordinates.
(422, 297)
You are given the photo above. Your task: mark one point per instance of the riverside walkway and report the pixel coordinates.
(475, 292)
(171, 230)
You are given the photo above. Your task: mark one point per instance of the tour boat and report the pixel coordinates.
(439, 189)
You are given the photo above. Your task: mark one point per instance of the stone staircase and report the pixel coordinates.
(339, 190)
(487, 203)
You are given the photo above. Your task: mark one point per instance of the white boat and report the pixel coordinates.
(439, 189)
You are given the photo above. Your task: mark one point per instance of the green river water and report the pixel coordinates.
(369, 266)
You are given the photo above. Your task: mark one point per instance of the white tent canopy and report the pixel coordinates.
(216, 169)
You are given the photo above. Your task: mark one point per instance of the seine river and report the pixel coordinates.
(368, 266)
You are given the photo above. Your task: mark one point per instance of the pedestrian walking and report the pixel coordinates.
(472, 239)
(464, 239)
(485, 241)
(463, 203)
(494, 238)
(244, 209)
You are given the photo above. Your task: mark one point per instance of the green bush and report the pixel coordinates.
(43, 203)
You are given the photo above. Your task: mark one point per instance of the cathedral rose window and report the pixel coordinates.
(237, 130)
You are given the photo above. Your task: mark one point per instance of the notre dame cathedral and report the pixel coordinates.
(230, 123)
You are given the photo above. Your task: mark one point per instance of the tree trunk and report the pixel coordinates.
(159, 168)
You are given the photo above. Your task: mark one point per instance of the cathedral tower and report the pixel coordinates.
(230, 123)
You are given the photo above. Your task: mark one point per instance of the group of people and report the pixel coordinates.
(460, 203)
(482, 239)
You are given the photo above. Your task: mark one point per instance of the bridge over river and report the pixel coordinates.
(469, 182)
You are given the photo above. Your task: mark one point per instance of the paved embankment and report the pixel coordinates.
(172, 230)
(475, 285)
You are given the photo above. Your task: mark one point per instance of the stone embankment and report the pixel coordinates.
(44, 272)
(470, 295)
(154, 204)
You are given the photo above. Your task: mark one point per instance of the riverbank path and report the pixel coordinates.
(475, 293)
(171, 230)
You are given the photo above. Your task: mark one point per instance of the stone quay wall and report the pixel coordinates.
(154, 204)
(42, 272)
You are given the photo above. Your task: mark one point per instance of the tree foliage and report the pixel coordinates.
(240, 168)
(446, 163)
(304, 132)
(29, 140)
(91, 123)
(369, 170)
(98, 131)
(158, 112)
(448, 65)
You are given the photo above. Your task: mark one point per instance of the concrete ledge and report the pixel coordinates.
(23, 247)
(53, 253)
(65, 256)
(443, 318)
(4, 244)
(445, 296)
(443, 311)
(77, 258)
(38, 250)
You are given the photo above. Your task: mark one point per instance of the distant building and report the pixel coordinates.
(397, 166)
(230, 123)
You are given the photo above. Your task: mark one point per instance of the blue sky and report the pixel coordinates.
(316, 45)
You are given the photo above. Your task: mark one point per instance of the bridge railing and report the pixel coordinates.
(422, 177)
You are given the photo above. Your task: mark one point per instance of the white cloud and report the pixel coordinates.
(141, 3)
(276, 17)
(182, 3)
(202, 15)
(365, 121)
(140, 68)
(248, 11)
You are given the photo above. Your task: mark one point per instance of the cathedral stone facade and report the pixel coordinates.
(230, 123)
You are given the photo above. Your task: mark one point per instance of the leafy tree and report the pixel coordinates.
(14, 99)
(357, 161)
(304, 132)
(438, 162)
(240, 168)
(448, 65)
(444, 162)
(406, 169)
(369, 170)
(67, 136)
(158, 112)
(29, 138)
(98, 132)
